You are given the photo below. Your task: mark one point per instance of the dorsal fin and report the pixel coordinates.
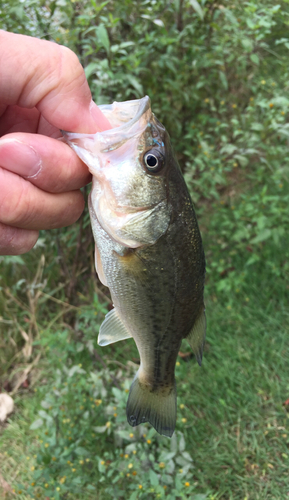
(112, 329)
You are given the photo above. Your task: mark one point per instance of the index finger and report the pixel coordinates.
(42, 74)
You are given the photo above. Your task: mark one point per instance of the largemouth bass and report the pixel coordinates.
(148, 251)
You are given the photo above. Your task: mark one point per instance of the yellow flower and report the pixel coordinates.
(282, 113)
(148, 441)
(182, 406)
(128, 474)
(57, 489)
(62, 479)
(80, 365)
(178, 363)
(53, 458)
(98, 402)
(126, 455)
(180, 471)
(280, 186)
(131, 435)
(87, 459)
(81, 462)
(251, 99)
(134, 472)
(32, 468)
(46, 485)
(140, 486)
(32, 484)
(184, 420)
(73, 470)
(102, 462)
(108, 424)
(234, 106)
(68, 462)
(207, 100)
(134, 452)
(27, 458)
(235, 164)
(263, 82)
(247, 299)
(165, 487)
(115, 414)
(229, 308)
(46, 445)
(144, 435)
(130, 466)
(126, 390)
(271, 105)
(162, 465)
(187, 484)
(222, 103)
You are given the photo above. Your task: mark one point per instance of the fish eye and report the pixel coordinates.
(154, 161)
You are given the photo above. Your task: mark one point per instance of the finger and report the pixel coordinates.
(48, 163)
(49, 77)
(25, 206)
(15, 241)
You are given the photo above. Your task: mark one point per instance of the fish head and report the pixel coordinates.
(129, 164)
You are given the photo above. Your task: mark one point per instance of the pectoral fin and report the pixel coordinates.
(112, 329)
(99, 267)
(196, 337)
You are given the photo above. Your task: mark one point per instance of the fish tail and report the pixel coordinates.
(156, 406)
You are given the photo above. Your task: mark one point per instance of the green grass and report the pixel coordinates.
(237, 428)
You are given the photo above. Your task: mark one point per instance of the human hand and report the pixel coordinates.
(42, 89)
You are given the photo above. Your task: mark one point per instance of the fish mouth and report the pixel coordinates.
(133, 210)
(123, 116)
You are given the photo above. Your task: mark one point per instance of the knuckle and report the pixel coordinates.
(15, 207)
(15, 241)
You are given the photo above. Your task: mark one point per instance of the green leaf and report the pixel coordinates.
(36, 424)
(90, 69)
(154, 480)
(158, 22)
(257, 126)
(242, 160)
(255, 59)
(196, 6)
(223, 80)
(103, 37)
(262, 236)
(137, 85)
(81, 451)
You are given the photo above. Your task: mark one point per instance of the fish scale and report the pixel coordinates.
(148, 252)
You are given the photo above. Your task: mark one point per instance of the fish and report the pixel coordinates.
(148, 252)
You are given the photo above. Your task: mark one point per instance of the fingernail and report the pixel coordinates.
(19, 158)
(100, 120)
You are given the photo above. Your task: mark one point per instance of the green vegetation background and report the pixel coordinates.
(217, 75)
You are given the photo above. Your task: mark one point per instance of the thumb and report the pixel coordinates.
(51, 79)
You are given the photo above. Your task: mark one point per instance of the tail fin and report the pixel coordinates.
(158, 407)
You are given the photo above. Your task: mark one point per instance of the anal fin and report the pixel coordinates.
(112, 329)
(197, 335)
